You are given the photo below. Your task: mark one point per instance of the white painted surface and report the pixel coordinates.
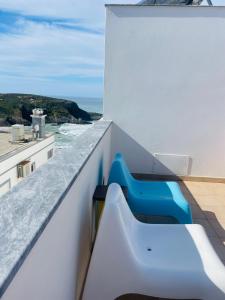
(56, 266)
(164, 85)
(5, 187)
(35, 153)
(180, 164)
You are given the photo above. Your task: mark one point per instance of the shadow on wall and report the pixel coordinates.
(100, 172)
(137, 157)
(85, 217)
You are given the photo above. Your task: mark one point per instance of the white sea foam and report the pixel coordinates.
(73, 130)
(67, 133)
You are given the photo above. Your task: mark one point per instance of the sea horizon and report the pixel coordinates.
(89, 104)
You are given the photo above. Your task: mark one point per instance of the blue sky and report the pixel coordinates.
(53, 47)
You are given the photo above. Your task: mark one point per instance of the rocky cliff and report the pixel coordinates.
(17, 108)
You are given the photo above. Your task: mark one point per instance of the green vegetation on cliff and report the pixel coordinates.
(17, 108)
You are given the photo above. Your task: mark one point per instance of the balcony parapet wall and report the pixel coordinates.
(28, 208)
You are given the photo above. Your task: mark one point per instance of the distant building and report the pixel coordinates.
(23, 151)
(170, 2)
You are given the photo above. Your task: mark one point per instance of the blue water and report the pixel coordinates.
(88, 104)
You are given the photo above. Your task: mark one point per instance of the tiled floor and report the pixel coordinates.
(207, 201)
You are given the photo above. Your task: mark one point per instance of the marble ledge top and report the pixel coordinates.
(28, 207)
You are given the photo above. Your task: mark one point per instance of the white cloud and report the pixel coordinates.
(44, 53)
(87, 9)
(46, 57)
(45, 50)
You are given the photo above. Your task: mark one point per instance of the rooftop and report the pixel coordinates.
(164, 106)
(7, 148)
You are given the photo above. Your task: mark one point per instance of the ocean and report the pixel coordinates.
(67, 133)
(88, 104)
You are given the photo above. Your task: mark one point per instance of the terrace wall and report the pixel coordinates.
(56, 265)
(164, 88)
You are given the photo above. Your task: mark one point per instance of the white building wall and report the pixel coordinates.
(41, 157)
(165, 87)
(36, 153)
(55, 268)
